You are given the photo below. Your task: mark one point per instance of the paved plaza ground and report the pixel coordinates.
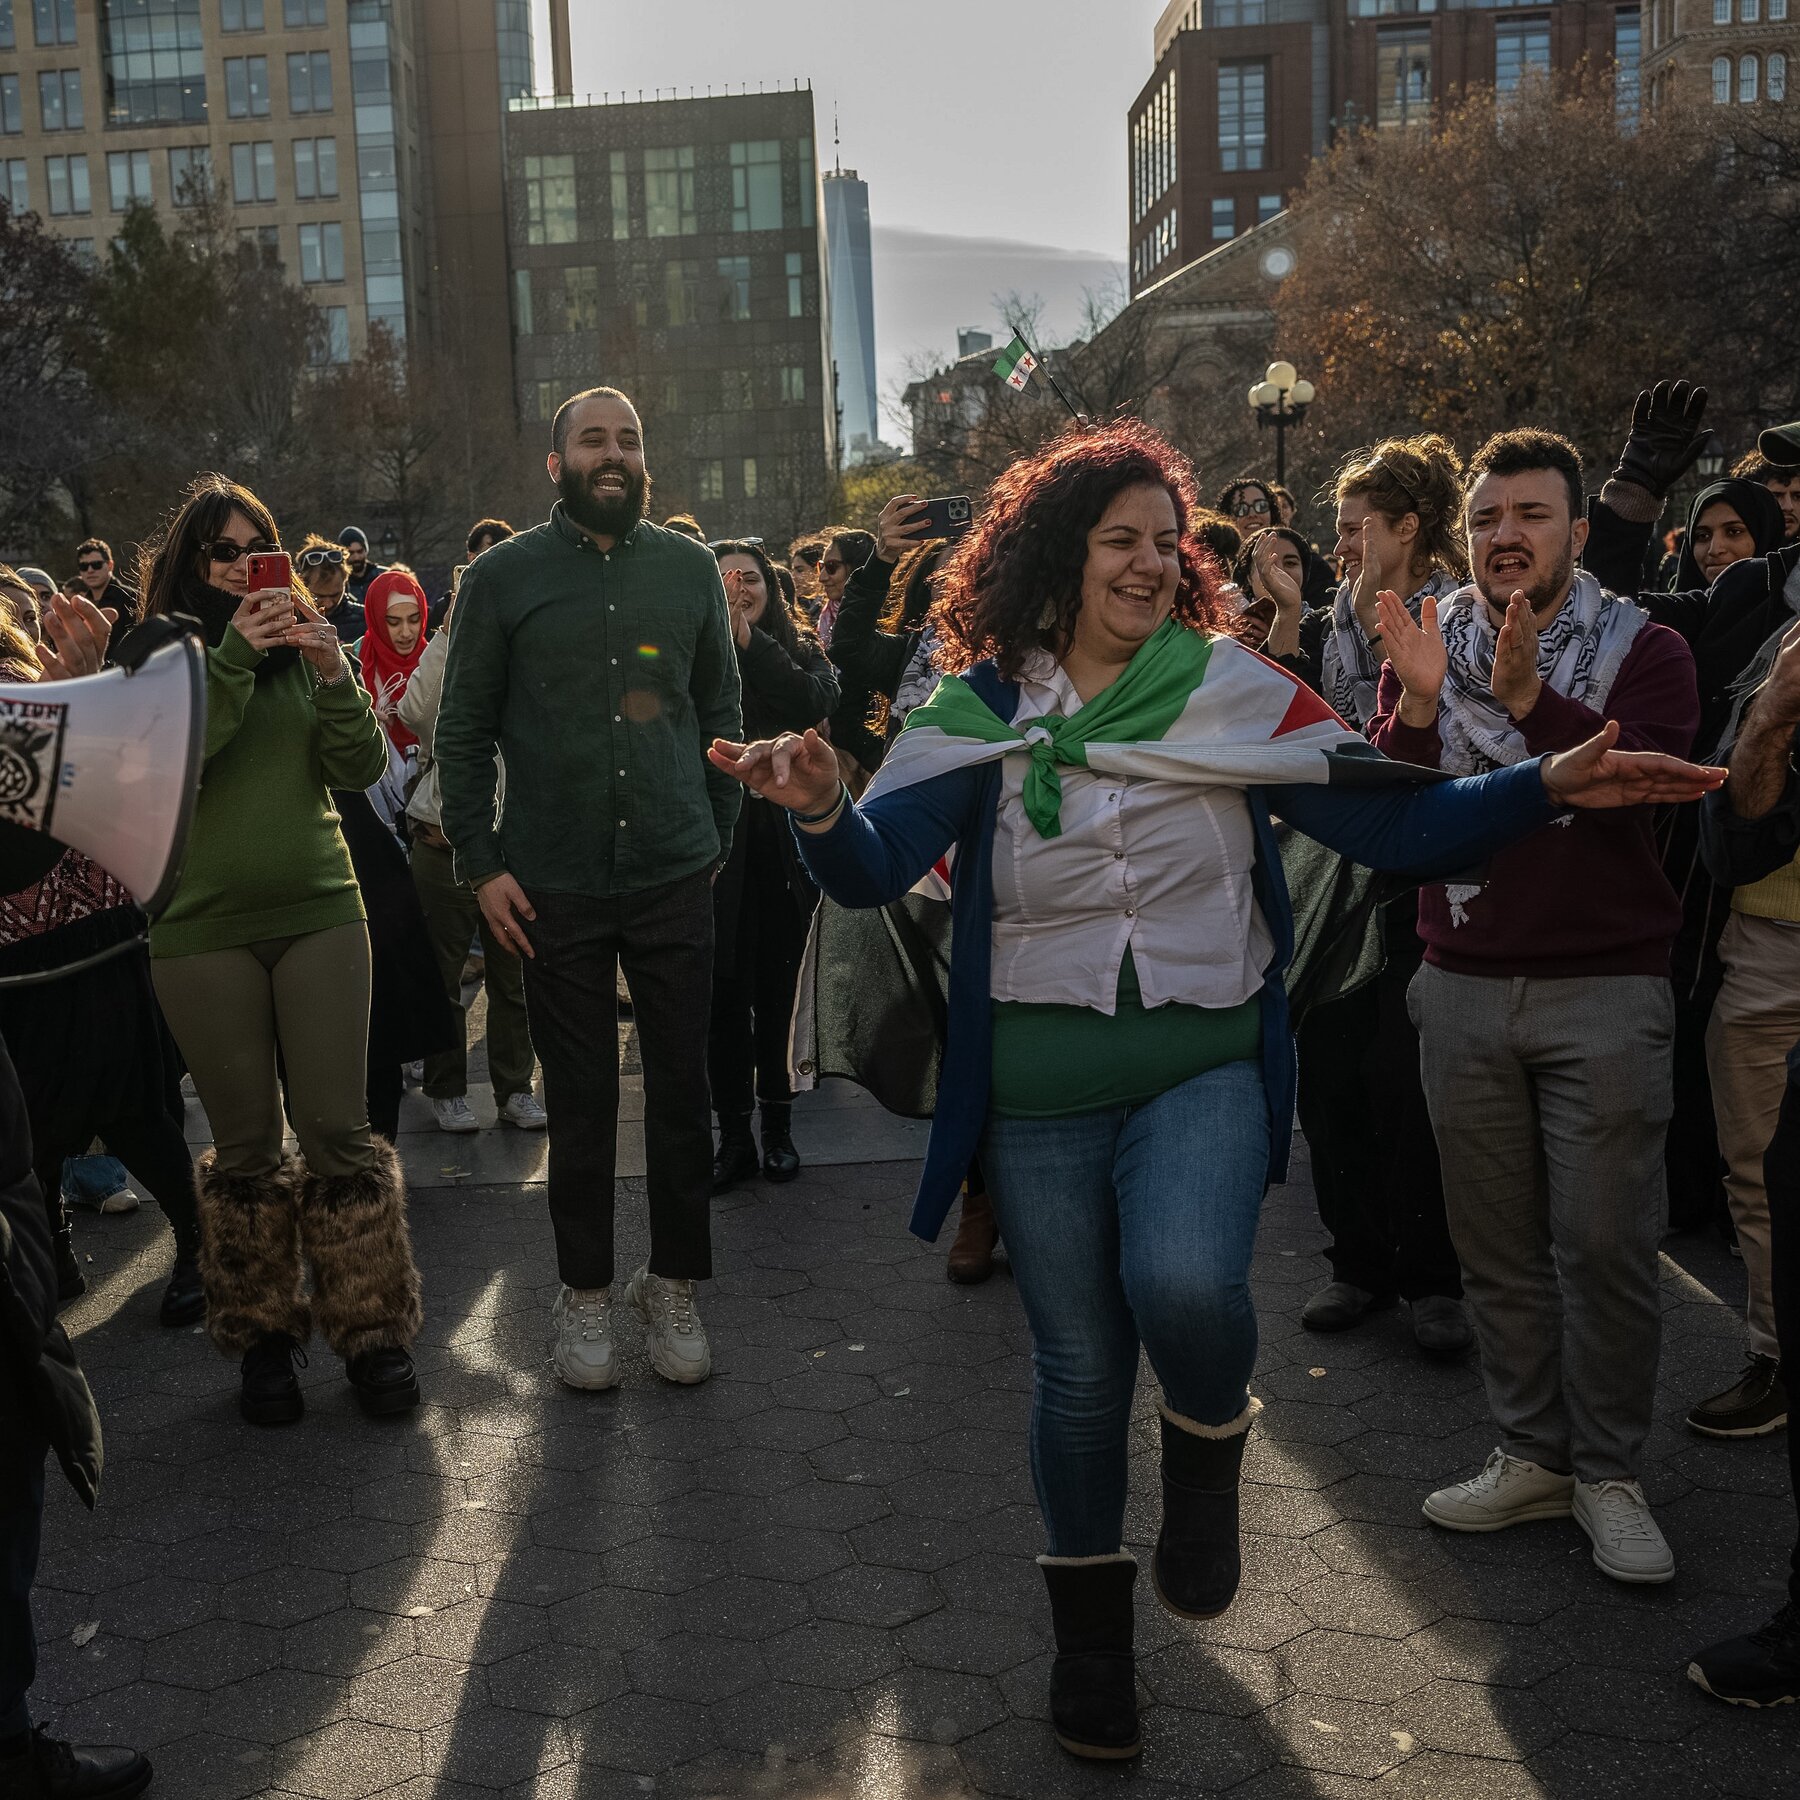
(814, 1575)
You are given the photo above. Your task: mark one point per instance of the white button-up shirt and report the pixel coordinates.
(1161, 866)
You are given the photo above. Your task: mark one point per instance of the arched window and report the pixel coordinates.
(1749, 79)
(1776, 86)
(1721, 81)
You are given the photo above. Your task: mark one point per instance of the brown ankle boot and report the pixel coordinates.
(971, 1257)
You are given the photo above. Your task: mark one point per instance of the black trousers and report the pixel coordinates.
(753, 1004)
(663, 939)
(1781, 1174)
(1374, 1158)
(22, 1453)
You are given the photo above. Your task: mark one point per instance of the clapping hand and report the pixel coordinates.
(797, 771)
(1515, 682)
(1415, 652)
(79, 632)
(1366, 590)
(1595, 775)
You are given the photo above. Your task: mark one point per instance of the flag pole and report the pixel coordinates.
(1054, 383)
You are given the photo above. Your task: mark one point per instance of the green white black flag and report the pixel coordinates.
(1016, 364)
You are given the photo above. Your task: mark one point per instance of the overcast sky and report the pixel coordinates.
(1000, 123)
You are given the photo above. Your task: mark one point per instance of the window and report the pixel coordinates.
(709, 480)
(1721, 81)
(59, 96)
(1243, 114)
(546, 399)
(735, 393)
(68, 182)
(1267, 206)
(549, 199)
(1775, 86)
(128, 178)
(1750, 11)
(252, 174)
(1721, 12)
(321, 253)
(1628, 48)
(756, 185)
(309, 82)
(1521, 46)
(8, 39)
(331, 348)
(1224, 220)
(16, 189)
(621, 195)
(240, 15)
(54, 21)
(581, 298)
(734, 278)
(1778, 12)
(153, 62)
(247, 87)
(523, 322)
(1153, 150)
(793, 385)
(190, 174)
(809, 182)
(681, 290)
(12, 111)
(669, 192)
(315, 169)
(796, 285)
(1402, 74)
(259, 246)
(671, 393)
(296, 13)
(1749, 79)
(750, 478)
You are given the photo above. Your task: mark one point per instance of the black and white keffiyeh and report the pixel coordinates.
(1350, 666)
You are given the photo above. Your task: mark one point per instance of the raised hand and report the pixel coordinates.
(1666, 438)
(1415, 651)
(1367, 589)
(1277, 583)
(1595, 775)
(795, 771)
(79, 632)
(902, 525)
(1515, 682)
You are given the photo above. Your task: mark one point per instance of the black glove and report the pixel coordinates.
(1666, 436)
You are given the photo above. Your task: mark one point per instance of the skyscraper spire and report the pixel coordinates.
(837, 143)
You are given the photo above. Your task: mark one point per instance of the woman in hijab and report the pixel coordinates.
(393, 640)
(1729, 521)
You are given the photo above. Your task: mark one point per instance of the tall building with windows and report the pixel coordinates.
(1734, 52)
(852, 287)
(327, 127)
(676, 249)
(1246, 92)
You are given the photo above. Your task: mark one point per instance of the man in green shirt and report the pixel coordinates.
(594, 655)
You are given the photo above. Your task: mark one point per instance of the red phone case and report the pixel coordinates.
(271, 569)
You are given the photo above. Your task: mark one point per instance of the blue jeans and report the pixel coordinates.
(87, 1180)
(1130, 1226)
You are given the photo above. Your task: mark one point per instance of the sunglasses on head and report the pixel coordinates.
(811, 558)
(1243, 508)
(225, 551)
(322, 559)
(91, 568)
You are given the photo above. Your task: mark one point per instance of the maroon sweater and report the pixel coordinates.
(1585, 896)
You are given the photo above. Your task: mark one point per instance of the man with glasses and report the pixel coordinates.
(94, 566)
(325, 568)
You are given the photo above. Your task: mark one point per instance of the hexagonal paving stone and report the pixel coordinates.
(689, 1665)
(742, 1606)
(871, 1595)
(558, 1680)
(216, 1768)
(348, 1760)
(937, 1705)
(276, 1706)
(284, 1596)
(1346, 1666)
(971, 1643)
(214, 1654)
(643, 1733)
(491, 1746)
(415, 1693)
(832, 1654)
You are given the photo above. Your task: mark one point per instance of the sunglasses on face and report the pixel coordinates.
(832, 567)
(1242, 509)
(226, 552)
(90, 568)
(322, 559)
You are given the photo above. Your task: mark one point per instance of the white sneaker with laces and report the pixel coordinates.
(454, 1114)
(581, 1347)
(1508, 1491)
(525, 1111)
(673, 1335)
(121, 1200)
(1628, 1543)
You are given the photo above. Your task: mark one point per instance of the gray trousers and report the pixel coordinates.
(1550, 1100)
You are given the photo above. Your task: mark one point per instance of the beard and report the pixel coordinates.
(1541, 595)
(605, 515)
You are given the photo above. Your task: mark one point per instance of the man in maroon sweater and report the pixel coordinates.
(1544, 1007)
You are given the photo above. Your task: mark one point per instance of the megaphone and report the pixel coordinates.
(109, 764)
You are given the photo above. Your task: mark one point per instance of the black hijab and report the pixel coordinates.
(212, 610)
(1753, 503)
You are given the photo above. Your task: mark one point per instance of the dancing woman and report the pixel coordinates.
(1104, 769)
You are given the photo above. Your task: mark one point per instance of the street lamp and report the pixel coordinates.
(1280, 399)
(390, 545)
(1709, 465)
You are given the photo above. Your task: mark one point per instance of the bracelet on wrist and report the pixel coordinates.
(819, 818)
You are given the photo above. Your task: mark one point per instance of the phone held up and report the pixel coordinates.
(270, 569)
(950, 516)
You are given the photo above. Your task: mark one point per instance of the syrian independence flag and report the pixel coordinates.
(1016, 364)
(1188, 708)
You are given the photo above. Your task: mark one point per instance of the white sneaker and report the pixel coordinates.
(581, 1349)
(414, 1072)
(1628, 1543)
(121, 1200)
(673, 1334)
(1508, 1491)
(454, 1115)
(524, 1111)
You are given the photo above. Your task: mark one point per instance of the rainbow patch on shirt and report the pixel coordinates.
(649, 652)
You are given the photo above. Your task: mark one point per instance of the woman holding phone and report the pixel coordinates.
(262, 954)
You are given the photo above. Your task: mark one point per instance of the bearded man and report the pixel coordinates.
(1544, 1005)
(594, 655)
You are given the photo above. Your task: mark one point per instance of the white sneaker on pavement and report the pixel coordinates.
(1508, 1491)
(673, 1334)
(525, 1111)
(454, 1114)
(1628, 1543)
(120, 1200)
(581, 1348)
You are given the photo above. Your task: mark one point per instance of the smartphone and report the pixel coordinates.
(456, 576)
(270, 569)
(949, 517)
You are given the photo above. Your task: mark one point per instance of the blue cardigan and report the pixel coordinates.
(875, 852)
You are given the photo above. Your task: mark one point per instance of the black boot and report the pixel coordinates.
(385, 1381)
(734, 1162)
(271, 1391)
(184, 1299)
(780, 1160)
(49, 1769)
(1093, 1682)
(71, 1284)
(1197, 1564)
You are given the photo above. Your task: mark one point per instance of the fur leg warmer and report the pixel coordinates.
(365, 1284)
(250, 1254)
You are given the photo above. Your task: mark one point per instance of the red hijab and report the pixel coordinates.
(385, 672)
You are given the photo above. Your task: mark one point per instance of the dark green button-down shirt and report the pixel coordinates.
(600, 677)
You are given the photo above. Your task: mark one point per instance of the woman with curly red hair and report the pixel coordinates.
(1103, 767)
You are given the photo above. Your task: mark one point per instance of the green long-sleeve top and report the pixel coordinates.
(265, 858)
(600, 677)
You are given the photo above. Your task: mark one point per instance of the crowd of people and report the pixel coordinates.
(1224, 826)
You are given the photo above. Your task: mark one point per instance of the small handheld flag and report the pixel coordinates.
(1016, 364)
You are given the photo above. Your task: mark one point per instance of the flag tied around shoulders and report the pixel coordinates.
(1188, 708)
(1016, 364)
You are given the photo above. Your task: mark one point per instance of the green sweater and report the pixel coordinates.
(600, 677)
(265, 858)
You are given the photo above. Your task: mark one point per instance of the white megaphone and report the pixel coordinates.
(109, 764)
